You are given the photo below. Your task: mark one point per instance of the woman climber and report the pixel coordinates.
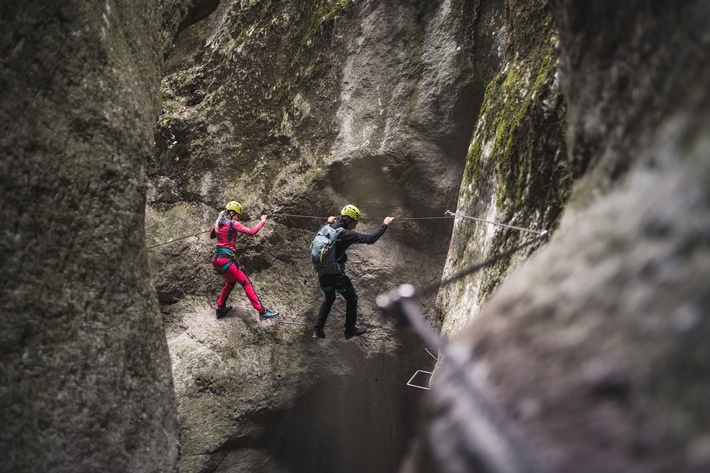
(224, 259)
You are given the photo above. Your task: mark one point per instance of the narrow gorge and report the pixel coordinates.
(546, 163)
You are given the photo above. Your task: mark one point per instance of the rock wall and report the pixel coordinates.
(581, 353)
(296, 108)
(587, 357)
(85, 383)
(517, 171)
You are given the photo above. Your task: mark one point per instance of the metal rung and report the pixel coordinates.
(431, 354)
(409, 383)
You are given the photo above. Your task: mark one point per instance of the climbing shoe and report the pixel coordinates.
(354, 332)
(268, 314)
(318, 333)
(223, 311)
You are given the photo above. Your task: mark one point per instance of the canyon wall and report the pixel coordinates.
(85, 380)
(586, 357)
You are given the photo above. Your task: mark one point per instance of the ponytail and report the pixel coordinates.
(219, 217)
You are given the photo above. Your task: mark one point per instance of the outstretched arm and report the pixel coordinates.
(249, 231)
(367, 238)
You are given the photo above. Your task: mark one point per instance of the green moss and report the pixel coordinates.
(314, 175)
(322, 12)
(526, 166)
(250, 76)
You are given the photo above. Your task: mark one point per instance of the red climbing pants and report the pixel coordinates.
(233, 275)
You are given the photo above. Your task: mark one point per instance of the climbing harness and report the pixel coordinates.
(217, 252)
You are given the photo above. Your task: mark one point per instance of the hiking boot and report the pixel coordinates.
(268, 314)
(318, 333)
(354, 332)
(223, 311)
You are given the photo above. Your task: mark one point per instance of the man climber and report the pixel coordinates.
(224, 259)
(339, 282)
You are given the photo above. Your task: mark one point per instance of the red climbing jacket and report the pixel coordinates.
(228, 229)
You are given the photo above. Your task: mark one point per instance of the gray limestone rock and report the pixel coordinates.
(594, 347)
(85, 383)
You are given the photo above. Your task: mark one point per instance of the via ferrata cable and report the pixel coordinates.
(448, 214)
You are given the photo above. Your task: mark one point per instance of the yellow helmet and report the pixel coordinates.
(234, 206)
(352, 212)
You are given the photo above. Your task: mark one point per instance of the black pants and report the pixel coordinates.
(340, 283)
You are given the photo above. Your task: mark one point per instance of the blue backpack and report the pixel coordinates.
(323, 250)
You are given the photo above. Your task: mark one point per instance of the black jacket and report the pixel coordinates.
(348, 237)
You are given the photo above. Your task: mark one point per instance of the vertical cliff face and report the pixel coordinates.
(297, 108)
(588, 352)
(292, 108)
(85, 378)
(517, 171)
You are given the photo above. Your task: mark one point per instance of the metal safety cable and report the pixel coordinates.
(362, 219)
(433, 288)
(537, 232)
(178, 239)
(448, 215)
(294, 216)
